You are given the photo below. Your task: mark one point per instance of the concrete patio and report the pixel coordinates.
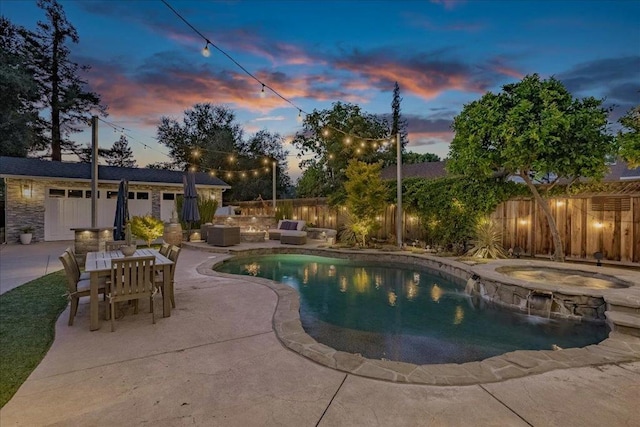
(218, 361)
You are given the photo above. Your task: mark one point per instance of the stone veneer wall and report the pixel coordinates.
(259, 222)
(23, 211)
(30, 211)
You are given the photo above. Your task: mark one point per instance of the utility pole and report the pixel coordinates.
(94, 171)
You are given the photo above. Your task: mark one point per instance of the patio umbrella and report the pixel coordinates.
(190, 212)
(122, 210)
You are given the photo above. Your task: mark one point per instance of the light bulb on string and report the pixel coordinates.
(347, 140)
(262, 92)
(205, 50)
(299, 118)
(325, 132)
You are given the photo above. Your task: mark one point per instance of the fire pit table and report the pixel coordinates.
(252, 236)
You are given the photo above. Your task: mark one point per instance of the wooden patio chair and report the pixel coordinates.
(131, 279)
(77, 287)
(164, 249)
(174, 253)
(83, 275)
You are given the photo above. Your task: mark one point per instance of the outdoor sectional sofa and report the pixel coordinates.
(289, 232)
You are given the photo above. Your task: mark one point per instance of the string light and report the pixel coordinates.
(208, 42)
(205, 51)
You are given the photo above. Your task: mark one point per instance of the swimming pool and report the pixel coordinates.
(404, 313)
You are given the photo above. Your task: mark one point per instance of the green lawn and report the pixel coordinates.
(28, 316)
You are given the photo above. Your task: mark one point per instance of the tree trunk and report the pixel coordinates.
(558, 254)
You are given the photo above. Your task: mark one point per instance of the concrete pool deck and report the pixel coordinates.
(218, 361)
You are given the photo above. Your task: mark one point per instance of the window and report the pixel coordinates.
(168, 196)
(75, 194)
(87, 194)
(112, 194)
(143, 195)
(131, 195)
(57, 192)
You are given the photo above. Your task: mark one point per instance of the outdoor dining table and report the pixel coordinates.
(98, 264)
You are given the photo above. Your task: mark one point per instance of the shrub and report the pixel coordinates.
(147, 228)
(488, 241)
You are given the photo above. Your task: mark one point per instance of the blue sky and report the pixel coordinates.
(146, 62)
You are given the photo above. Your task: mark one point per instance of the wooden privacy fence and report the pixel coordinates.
(606, 224)
(609, 224)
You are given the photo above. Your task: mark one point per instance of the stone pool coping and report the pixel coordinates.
(618, 348)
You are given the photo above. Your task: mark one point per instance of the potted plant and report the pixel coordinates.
(26, 234)
(130, 247)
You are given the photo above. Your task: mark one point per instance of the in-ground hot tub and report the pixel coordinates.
(546, 290)
(559, 276)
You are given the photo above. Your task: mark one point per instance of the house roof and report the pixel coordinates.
(428, 170)
(37, 168)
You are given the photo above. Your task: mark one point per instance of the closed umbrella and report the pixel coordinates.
(190, 212)
(122, 210)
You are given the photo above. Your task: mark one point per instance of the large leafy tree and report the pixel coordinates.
(629, 139)
(410, 157)
(533, 129)
(210, 140)
(206, 137)
(20, 126)
(334, 137)
(254, 176)
(62, 90)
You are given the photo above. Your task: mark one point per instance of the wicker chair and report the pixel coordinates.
(131, 279)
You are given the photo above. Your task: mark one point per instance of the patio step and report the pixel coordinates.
(624, 322)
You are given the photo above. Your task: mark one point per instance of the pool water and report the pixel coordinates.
(408, 314)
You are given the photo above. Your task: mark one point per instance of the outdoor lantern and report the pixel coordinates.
(27, 191)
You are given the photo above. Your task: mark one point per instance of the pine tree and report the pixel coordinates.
(20, 126)
(62, 91)
(398, 125)
(121, 154)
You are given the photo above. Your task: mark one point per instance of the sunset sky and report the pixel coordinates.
(146, 63)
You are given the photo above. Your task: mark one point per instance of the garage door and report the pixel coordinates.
(71, 208)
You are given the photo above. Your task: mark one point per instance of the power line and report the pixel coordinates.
(208, 42)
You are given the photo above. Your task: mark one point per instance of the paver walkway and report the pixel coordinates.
(217, 361)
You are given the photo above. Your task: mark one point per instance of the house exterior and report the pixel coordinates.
(54, 197)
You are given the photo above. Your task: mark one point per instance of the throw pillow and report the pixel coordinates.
(284, 225)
